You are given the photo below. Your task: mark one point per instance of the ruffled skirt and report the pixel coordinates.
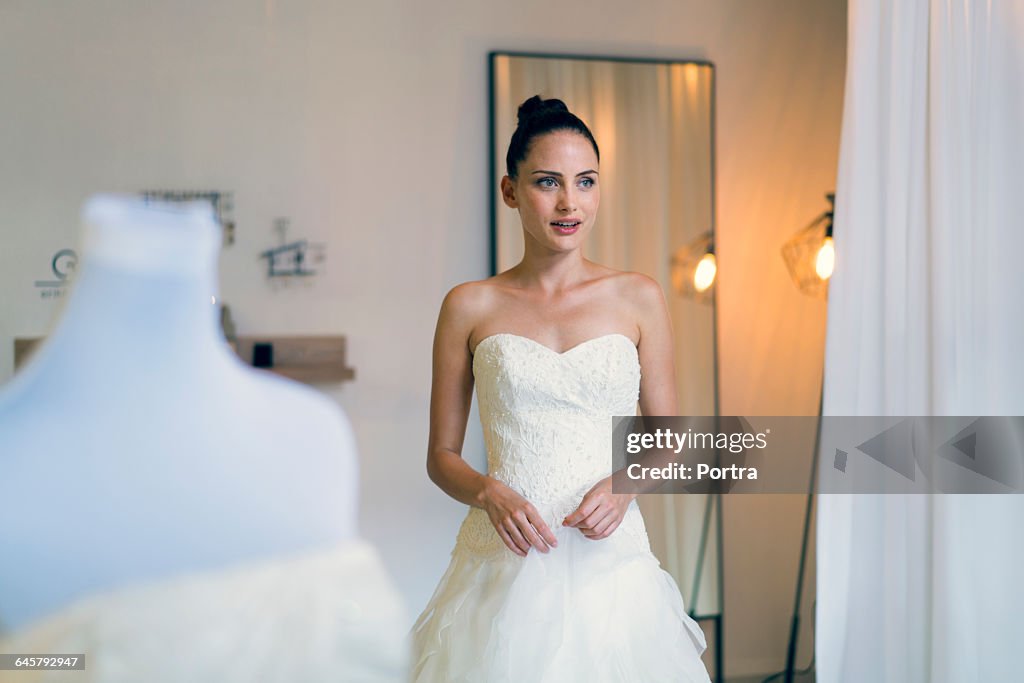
(585, 611)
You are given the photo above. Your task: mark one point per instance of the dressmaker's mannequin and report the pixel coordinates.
(135, 446)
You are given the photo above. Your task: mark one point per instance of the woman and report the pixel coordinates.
(551, 578)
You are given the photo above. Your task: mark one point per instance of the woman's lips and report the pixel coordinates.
(565, 227)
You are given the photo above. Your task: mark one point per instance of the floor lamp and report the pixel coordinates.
(794, 629)
(810, 258)
(694, 268)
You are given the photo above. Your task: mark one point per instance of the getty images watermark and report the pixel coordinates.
(855, 454)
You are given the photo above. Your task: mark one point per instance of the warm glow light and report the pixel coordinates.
(704, 274)
(691, 73)
(825, 261)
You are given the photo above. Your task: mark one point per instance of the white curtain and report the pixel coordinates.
(926, 317)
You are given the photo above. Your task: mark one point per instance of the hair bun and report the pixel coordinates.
(536, 106)
(538, 117)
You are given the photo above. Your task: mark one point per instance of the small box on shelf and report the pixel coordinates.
(313, 359)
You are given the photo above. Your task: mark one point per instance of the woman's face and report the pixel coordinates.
(557, 192)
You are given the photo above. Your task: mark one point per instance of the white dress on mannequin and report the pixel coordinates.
(166, 509)
(587, 610)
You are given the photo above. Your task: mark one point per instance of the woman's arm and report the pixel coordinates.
(517, 522)
(451, 392)
(656, 349)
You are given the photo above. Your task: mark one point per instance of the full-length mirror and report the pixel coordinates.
(654, 122)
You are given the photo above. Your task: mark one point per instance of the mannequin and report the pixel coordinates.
(135, 447)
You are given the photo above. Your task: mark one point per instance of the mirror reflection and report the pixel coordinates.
(654, 121)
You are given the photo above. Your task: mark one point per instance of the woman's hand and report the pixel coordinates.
(515, 519)
(601, 511)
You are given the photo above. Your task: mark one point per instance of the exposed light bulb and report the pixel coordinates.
(213, 300)
(704, 274)
(825, 261)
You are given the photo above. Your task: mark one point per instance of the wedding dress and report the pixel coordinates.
(587, 610)
(327, 615)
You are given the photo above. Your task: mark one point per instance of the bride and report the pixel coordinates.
(551, 577)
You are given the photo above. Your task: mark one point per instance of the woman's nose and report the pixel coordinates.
(566, 200)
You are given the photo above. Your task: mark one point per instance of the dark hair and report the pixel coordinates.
(539, 117)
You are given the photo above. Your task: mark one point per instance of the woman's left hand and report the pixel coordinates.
(600, 512)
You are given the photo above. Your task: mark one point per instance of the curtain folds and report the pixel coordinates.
(926, 317)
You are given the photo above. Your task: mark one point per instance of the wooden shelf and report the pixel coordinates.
(23, 348)
(312, 360)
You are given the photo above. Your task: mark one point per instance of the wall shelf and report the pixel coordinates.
(309, 359)
(313, 359)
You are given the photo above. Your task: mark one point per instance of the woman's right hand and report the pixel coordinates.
(515, 519)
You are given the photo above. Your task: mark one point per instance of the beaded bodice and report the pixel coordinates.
(547, 424)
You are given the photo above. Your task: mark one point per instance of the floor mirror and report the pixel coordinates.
(654, 123)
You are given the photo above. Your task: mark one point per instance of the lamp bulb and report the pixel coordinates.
(825, 262)
(704, 274)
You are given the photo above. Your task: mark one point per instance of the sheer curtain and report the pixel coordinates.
(926, 316)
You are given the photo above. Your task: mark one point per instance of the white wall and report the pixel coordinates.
(365, 124)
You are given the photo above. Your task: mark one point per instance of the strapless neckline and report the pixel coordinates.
(547, 415)
(498, 335)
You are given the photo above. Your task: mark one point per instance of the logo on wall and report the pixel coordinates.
(63, 266)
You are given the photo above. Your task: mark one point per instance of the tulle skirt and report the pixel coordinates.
(587, 610)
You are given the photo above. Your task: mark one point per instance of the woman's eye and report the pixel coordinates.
(587, 182)
(547, 182)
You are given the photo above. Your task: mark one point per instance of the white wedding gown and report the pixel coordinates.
(327, 615)
(587, 610)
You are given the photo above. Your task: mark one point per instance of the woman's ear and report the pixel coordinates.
(508, 192)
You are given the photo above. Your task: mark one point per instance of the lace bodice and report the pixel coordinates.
(547, 424)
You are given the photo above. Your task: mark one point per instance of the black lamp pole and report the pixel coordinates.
(794, 630)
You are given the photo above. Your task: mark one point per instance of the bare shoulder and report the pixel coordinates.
(637, 290)
(467, 305)
(468, 299)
